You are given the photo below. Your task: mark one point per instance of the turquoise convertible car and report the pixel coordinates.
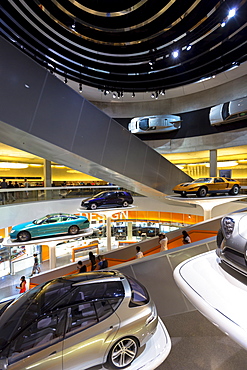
(56, 223)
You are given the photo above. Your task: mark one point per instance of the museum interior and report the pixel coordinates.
(122, 122)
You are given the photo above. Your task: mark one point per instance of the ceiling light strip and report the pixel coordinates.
(104, 14)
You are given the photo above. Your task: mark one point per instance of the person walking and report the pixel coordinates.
(22, 286)
(186, 238)
(36, 267)
(163, 240)
(139, 253)
(93, 261)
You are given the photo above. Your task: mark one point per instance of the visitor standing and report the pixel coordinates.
(22, 286)
(186, 238)
(163, 240)
(139, 253)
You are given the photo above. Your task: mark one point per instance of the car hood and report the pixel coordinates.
(24, 225)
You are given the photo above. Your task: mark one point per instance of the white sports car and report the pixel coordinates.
(148, 124)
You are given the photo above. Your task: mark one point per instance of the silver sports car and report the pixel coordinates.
(76, 322)
(232, 241)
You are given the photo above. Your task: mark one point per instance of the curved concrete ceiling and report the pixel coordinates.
(128, 45)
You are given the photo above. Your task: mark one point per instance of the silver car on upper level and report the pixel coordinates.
(234, 110)
(149, 124)
(76, 322)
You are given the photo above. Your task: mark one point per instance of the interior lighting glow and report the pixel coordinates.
(188, 47)
(225, 164)
(175, 53)
(57, 166)
(231, 13)
(12, 165)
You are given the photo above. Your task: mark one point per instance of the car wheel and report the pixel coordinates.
(202, 192)
(234, 190)
(125, 203)
(123, 353)
(93, 206)
(23, 236)
(73, 230)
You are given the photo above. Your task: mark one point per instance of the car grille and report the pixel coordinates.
(235, 257)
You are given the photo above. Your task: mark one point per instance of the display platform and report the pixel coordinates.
(105, 210)
(206, 203)
(85, 232)
(156, 351)
(219, 296)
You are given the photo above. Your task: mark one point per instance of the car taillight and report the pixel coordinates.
(228, 226)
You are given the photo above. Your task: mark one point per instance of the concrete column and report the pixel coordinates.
(47, 173)
(52, 255)
(108, 233)
(129, 230)
(213, 163)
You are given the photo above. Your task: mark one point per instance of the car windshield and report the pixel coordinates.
(99, 195)
(144, 124)
(204, 179)
(39, 220)
(30, 306)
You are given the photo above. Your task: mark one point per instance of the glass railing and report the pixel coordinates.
(37, 194)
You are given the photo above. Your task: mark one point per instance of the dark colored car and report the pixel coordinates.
(232, 241)
(107, 199)
(76, 322)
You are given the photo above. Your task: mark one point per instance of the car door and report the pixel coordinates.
(111, 199)
(40, 345)
(90, 329)
(51, 226)
(219, 185)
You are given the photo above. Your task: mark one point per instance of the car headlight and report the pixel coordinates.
(228, 226)
(12, 231)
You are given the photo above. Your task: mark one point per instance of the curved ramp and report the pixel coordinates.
(42, 115)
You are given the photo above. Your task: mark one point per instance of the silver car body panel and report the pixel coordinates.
(232, 250)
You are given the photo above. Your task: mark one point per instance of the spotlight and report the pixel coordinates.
(65, 80)
(152, 96)
(80, 87)
(150, 62)
(175, 53)
(231, 13)
(156, 95)
(121, 94)
(114, 95)
(73, 26)
(118, 95)
(188, 47)
(223, 24)
(133, 95)
(106, 92)
(162, 92)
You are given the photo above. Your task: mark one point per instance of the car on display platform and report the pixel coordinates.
(53, 224)
(108, 199)
(234, 110)
(208, 185)
(149, 124)
(232, 242)
(76, 322)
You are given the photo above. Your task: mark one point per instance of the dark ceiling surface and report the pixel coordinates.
(128, 45)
